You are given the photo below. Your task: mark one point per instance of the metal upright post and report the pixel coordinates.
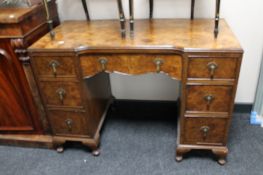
(85, 7)
(49, 20)
(122, 18)
(151, 8)
(217, 18)
(192, 9)
(131, 5)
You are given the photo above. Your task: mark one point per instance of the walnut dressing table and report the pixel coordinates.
(75, 90)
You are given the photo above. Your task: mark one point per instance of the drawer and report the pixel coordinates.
(52, 67)
(61, 94)
(212, 68)
(205, 131)
(205, 98)
(134, 64)
(68, 123)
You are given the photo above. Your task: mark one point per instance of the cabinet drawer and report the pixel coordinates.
(205, 131)
(68, 123)
(212, 68)
(204, 98)
(132, 64)
(61, 94)
(52, 67)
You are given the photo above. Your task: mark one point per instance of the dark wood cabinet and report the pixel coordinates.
(14, 113)
(19, 109)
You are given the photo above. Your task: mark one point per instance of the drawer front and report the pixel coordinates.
(52, 67)
(204, 98)
(68, 123)
(212, 68)
(132, 64)
(205, 131)
(61, 94)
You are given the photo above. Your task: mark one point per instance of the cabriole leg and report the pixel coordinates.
(221, 153)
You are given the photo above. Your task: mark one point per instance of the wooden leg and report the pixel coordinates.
(192, 9)
(60, 149)
(94, 148)
(151, 8)
(58, 145)
(221, 153)
(217, 18)
(96, 152)
(180, 151)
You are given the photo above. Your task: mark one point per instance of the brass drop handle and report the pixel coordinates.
(61, 93)
(54, 64)
(209, 99)
(205, 130)
(212, 66)
(158, 62)
(103, 62)
(69, 124)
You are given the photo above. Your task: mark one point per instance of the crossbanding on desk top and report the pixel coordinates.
(159, 33)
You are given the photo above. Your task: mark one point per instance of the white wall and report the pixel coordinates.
(244, 17)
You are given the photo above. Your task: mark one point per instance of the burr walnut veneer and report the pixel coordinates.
(72, 76)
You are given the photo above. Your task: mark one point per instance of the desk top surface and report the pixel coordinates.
(178, 34)
(15, 14)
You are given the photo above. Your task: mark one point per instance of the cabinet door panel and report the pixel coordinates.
(13, 113)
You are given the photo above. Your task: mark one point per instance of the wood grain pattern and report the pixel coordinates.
(15, 15)
(66, 67)
(185, 47)
(27, 140)
(18, 22)
(221, 102)
(59, 126)
(71, 98)
(11, 101)
(134, 64)
(170, 34)
(193, 133)
(198, 68)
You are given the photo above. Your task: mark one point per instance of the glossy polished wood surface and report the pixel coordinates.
(132, 64)
(193, 133)
(13, 112)
(196, 98)
(199, 68)
(15, 15)
(21, 22)
(208, 69)
(20, 110)
(171, 34)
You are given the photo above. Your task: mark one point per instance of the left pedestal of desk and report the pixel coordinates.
(22, 120)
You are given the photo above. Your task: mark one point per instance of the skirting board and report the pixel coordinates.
(155, 108)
